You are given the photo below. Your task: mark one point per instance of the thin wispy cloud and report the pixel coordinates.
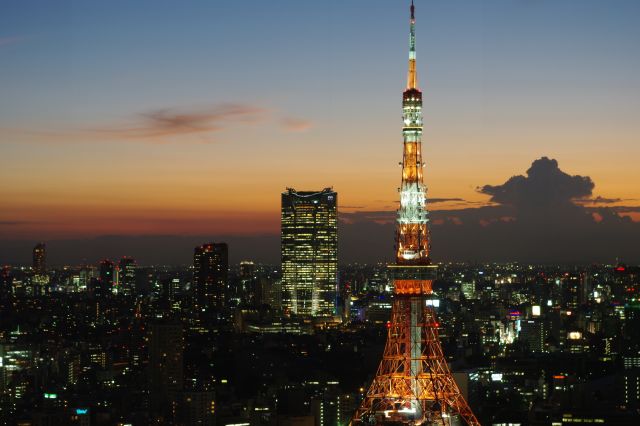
(296, 124)
(7, 41)
(445, 200)
(14, 222)
(601, 200)
(164, 125)
(168, 123)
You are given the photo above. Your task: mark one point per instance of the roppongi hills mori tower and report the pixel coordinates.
(413, 384)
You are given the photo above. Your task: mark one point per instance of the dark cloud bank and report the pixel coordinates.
(541, 217)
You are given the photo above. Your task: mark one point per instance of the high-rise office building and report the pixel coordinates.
(166, 365)
(40, 259)
(247, 269)
(107, 272)
(534, 334)
(5, 281)
(127, 275)
(40, 279)
(248, 288)
(106, 277)
(210, 275)
(309, 250)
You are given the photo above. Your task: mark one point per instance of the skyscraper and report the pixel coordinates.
(309, 250)
(5, 281)
(107, 272)
(40, 279)
(166, 366)
(106, 277)
(210, 275)
(40, 259)
(127, 275)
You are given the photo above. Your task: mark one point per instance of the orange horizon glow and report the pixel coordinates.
(180, 142)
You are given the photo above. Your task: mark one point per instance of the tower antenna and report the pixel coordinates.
(412, 78)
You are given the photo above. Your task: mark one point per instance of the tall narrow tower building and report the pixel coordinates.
(309, 249)
(127, 275)
(40, 259)
(210, 275)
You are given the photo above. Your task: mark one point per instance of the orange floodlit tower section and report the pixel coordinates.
(413, 384)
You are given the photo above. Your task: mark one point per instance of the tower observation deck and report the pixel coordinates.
(413, 384)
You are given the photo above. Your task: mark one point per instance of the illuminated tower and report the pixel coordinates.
(413, 384)
(309, 249)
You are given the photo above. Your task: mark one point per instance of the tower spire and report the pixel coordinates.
(412, 79)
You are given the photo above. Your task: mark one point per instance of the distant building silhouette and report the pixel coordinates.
(210, 275)
(106, 277)
(309, 250)
(5, 281)
(40, 279)
(127, 275)
(166, 366)
(40, 259)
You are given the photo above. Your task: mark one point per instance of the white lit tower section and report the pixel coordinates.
(413, 235)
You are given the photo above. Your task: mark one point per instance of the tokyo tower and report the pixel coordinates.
(413, 384)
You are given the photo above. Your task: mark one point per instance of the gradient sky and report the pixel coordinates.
(165, 117)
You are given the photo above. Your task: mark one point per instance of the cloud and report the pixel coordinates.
(537, 217)
(557, 229)
(621, 209)
(447, 203)
(164, 125)
(380, 217)
(291, 124)
(6, 41)
(545, 185)
(444, 200)
(14, 222)
(599, 200)
(169, 123)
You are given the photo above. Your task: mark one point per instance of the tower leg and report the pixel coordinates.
(413, 384)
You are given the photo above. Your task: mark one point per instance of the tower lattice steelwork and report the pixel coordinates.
(413, 384)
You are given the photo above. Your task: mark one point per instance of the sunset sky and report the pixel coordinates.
(189, 118)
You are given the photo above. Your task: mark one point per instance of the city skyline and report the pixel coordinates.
(124, 126)
(492, 279)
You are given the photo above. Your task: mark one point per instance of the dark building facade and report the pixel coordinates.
(210, 275)
(40, 259)
(166, 365)
(309, 250)
(106, 277)
(127, 275)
